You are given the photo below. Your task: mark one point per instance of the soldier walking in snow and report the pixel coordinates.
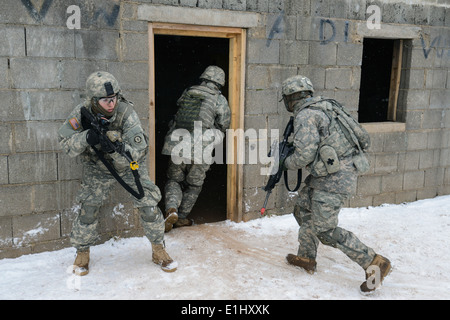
(326, 142)
(124, 136)
(203, 104)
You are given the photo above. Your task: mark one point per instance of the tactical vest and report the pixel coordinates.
(346, 138)
(196, 104)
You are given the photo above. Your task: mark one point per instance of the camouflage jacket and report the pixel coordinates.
(72, 136)
(311, 129)
(214, 113)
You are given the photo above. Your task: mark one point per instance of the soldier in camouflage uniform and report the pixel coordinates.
(103, 96)
(202, 105)
(320, 201)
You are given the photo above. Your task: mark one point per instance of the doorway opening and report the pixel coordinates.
(178, 54)
(179, 61)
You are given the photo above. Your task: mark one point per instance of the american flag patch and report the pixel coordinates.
(74, 123)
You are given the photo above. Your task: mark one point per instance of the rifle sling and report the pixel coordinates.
(138, 195)
(299, 180)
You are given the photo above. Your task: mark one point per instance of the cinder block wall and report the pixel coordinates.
(44, 65)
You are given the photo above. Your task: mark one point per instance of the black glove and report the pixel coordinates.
(106, 144)
(92, 137)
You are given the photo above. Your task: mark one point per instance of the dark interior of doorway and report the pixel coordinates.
(375, 80)
(179, 61)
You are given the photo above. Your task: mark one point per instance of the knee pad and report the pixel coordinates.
(331, 237)
(150, 214)
(88, 214)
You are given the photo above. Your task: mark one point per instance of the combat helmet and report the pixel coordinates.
(101, 84)
(214, 74)
(293, 85)
(297, 84)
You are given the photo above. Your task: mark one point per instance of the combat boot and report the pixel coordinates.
(170, 219)
(81, 264)
(183, 223)
(379, 268)
(307, 264)
(160, 257)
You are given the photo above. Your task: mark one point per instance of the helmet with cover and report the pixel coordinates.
(214, 74)
(101, 84)
(297, 87)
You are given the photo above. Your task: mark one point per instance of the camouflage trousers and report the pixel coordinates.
(95, 189)
(183, 187)
(317, 214)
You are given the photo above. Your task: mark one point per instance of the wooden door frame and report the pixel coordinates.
(236, 81)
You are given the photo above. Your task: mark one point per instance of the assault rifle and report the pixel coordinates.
(100, 125)
(285, 150)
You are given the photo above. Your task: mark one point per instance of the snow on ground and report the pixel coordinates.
(246, 261)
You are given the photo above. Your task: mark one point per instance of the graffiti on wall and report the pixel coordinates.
(440, 44)
(109, 15)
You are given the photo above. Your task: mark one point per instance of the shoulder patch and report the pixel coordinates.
(74, 123)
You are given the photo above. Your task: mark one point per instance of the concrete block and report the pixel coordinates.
(240, 5)
(315, 73)
(413, 180)
(3, 169)
(356, 9)
(129, 74)
(386, 163)
(417, 99)
(97, 44)
(397, 13)
(432, 119)
(349, 54)
(439, 99)
(395, 142)
(39, 167)
(392, 182)
(338, 78)
(13, 41)
(135, 46)
(69, 168)
(55, 196)
(436, 79)
(383, 198)
(280, 26)
(369, 185)
(35, 228)
(295, 7)
(294, 52)
(47, 105)
(35, 73)
(11, 109)
(261, 6)
(50, 42)
(416, 79)
(6, 140)
(276, 5)
(416, 140)
(261, 102)
(4, 80)
(35, 136)
(5, 232)
(75, 72)
(323, 55)
(11, 204)
(426, 159)
(210, 4)
(263, 51)
(405, 196)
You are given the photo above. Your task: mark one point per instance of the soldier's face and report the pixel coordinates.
(108, 103)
